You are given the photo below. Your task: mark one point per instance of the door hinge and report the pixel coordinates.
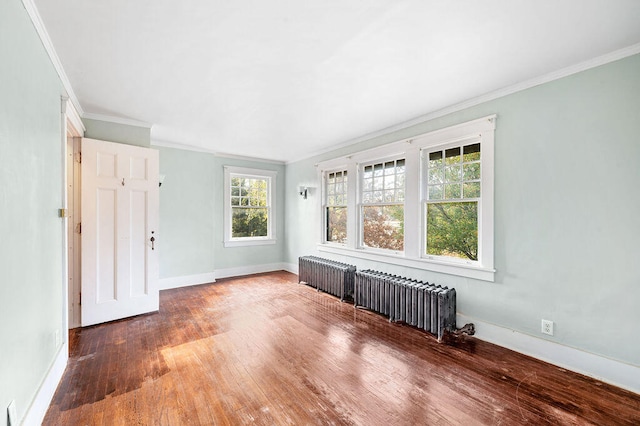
(80, 301)
(79, 157)
(79, 228)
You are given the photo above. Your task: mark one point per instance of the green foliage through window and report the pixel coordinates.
(453, 190)
(452, 229)
(250, 214)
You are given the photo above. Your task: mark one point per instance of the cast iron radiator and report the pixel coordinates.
(420, 304)
(327, 275)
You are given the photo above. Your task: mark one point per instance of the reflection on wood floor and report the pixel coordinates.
(265, 350)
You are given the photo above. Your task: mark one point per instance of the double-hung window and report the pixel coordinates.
(249, 206)
(382, 205)
(452, 202)
(424, 202)
(336, 206)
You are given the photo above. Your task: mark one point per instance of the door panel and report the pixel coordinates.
(119, 217)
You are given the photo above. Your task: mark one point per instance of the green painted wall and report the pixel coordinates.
(31, 287)
(187, 227)
(233, 257)
(116, 132)
(191, 215)
(566, 211)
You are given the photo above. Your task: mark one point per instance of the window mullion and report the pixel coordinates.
(353, 205)
(412, 216)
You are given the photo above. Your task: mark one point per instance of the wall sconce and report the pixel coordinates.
(160, 180)
(304, 191)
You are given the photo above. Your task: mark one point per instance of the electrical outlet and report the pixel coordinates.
(547, 327)
(12, 414)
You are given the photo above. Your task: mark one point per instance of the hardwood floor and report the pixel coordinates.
(265, 350)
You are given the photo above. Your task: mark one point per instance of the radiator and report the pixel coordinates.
(327, 275)
(420, 304)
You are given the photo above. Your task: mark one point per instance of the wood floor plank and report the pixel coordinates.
(265, 350)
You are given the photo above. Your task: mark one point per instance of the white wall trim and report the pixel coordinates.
(184, 147)
(250, 269)
(32, 10)
(117, 120)
(40, 404)
(290, 267)
(499, 93)
(614, 372)
(186, 280)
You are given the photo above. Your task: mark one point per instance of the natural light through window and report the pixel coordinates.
(425, 202)
(249, 207)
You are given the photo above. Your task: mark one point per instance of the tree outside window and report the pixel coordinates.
(453, 196)
(250, 214)
(249, 206)
(336, 206)
(383, 186)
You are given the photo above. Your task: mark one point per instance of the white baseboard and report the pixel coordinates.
(40, 404)
(187, 280)
(617, 373)
(290, 267)
(248, 270)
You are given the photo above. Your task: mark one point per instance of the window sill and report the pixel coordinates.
(469, 271)
(250, 242)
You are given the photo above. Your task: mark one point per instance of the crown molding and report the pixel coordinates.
(247, 158)
(117, 120)
(184, 147)
(175, 145)
(499, 93)
(72, 116)
(32, 10)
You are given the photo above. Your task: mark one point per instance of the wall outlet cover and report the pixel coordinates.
(547, 327)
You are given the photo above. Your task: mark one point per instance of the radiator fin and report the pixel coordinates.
(420, 304)
(327, 275)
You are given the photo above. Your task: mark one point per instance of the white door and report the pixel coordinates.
(119, 231)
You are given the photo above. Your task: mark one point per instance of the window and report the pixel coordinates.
(424, 202)
(336, 207)
(452, 199)
(382, 215)
(249, 206)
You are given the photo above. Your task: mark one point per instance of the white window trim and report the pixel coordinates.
(412, 256)
(270, 175)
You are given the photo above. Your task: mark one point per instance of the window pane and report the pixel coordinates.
(383, 227)
(337, 224)
(452, 191)
(435, 192)
(471, 152)
(452, 155)
(249, 222)
(452, 229)
(389, 196)
(377, 183)
(435, 159)
(471, 190)
(368, 184)
(452, 173)
(435, 175)
(389, 182)
(471, 171)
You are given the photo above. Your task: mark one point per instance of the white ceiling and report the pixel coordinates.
(282, 79)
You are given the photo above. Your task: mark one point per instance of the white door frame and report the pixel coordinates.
(71, 127)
